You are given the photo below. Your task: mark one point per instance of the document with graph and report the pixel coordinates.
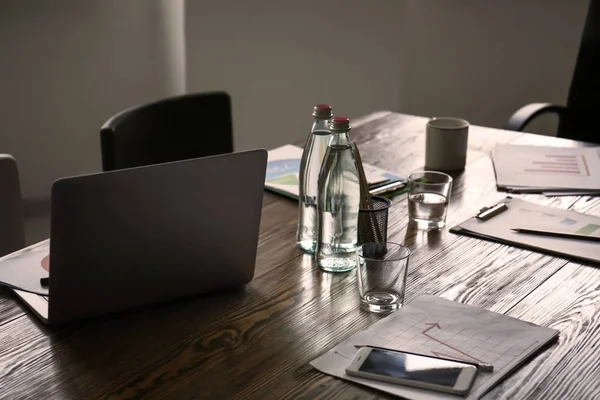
(537, 168)
(434, 326)
(24, 268)
(283, 170)
(523, 214)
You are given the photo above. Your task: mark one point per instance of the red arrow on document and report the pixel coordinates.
(436, 325)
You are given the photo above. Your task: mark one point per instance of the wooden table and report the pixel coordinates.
(256, 342)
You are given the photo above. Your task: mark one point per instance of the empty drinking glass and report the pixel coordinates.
(382, 268)
(428, 197)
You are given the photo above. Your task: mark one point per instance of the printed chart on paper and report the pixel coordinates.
(547, 167)
(434, 326)
(448, 341)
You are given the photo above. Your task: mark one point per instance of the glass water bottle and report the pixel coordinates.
(310, 167)
(339, 198)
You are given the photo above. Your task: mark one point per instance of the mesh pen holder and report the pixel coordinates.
(373, 223)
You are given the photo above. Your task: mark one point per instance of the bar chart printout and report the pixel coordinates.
(569, 165)
(547, 167)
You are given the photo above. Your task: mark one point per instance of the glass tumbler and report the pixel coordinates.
(428, 197)
(382, 268)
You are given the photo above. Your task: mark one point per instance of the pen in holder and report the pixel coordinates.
(373, 210)
(372, 222)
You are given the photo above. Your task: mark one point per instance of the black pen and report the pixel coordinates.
(480, 366)
(388, 187)
(564, 235)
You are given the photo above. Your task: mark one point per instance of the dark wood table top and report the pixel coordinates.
(256, 342)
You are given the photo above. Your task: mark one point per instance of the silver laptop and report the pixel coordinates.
(128, 238)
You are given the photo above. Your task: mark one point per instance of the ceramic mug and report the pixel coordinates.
(446, 144)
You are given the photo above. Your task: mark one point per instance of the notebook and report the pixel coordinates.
(523, 214)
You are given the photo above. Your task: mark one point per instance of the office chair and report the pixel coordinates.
(172, 129)
(577, 120)
(12, 231)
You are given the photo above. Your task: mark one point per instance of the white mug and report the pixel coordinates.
(446, 144)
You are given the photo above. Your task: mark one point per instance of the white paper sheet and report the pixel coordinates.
(23, 269)
(570, 193)
(525, 168)
(434, 326)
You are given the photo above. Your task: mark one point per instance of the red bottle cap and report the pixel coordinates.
(322, 111)
(340, 124)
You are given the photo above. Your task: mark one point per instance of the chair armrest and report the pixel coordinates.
(525, 114)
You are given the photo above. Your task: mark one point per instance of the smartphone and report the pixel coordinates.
(413, 370)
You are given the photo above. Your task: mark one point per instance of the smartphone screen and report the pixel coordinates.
(412, 367)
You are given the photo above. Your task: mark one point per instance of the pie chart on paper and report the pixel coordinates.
(46, 263)
(283, 172)
(24, 269)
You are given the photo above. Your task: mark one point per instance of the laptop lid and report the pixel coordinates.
(138, 236)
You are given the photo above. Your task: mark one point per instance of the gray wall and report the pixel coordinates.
(278, 59)
(476, 59)
(67, 65)
(482, 59)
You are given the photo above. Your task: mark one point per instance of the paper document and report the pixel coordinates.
(23, 269)
(569, 193)
(524, 214)
(434, 326)
(537, 168)
(283, 170)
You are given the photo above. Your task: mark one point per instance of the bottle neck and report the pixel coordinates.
(320, 126)
(340, 139)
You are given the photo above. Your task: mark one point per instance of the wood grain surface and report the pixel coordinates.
(256, 342)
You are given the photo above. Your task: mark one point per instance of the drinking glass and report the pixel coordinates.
(428, 197)
(381, 268)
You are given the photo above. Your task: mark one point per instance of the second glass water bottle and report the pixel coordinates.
(339, 201)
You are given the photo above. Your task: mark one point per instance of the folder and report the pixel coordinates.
(516, 213)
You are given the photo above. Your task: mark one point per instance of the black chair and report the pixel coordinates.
(12, 230)
(578, 119)
(173, 129)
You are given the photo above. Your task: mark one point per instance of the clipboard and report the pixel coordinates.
(494, 223)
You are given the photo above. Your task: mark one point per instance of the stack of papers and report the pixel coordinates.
(548, 170)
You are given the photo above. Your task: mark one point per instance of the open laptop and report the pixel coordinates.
(127, 238)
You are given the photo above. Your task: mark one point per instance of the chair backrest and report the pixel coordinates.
(583, 103)
(12, 232)
(172, 129)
